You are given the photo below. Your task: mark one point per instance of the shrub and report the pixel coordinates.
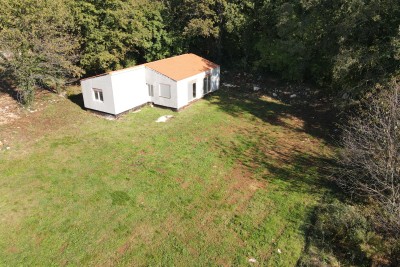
(370, 158)
(342, 226)
(343, 234)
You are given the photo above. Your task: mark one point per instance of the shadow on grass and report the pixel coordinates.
(77, 99)
(303, 171)
(318, 119)
(278, 154)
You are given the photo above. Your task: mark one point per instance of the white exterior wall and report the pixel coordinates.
(185, 93)
(103, 83)
(129, 88)
(155, 78)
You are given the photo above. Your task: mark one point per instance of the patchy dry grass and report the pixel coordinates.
(228, 179)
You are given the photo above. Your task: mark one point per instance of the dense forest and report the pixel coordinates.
(349, 49)
(346, 47)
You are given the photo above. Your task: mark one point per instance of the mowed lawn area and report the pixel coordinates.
(232, 177)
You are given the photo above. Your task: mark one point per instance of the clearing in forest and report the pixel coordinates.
(233, 177)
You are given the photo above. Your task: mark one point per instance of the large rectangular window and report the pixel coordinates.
(98, 94)
(207, 84)
(150, 88)
(165, 90)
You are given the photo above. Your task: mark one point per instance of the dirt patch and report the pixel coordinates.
(11, 110)
(13, 250)
(21, 126)
(64, 247)
(242, 187)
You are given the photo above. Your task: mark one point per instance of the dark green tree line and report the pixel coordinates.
(346, 46)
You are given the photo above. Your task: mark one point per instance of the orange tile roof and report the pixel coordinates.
(181, 67)
(177, 68)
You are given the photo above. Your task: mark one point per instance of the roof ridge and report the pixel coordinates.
(174, 67)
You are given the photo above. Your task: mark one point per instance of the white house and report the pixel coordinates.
(173, 82)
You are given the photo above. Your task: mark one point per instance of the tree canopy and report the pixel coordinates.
(36, 44)
(345, 46)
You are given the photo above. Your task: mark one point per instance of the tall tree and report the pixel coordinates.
(36, 44)
(118, 33)
(201, 25)
(345, 45)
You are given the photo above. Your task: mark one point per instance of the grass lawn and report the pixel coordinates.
(228, 179)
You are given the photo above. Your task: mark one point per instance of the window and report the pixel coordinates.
(150, 89)
(165, 90)
(98, 95)
(194, 89)
(207, 84)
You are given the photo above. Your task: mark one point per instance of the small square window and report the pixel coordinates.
(98, 95)
(165, 90)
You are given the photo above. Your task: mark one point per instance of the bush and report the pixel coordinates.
(370, 158)
(346, 232)
(342, 226)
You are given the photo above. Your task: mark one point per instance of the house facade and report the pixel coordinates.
(173, 82)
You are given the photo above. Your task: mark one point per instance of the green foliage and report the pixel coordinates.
(346, 45)
(36, 44)
(346, 232)
(342, 225)
(206, 26)
(82, 190)
(116, 34)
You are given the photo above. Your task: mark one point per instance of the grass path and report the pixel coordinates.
(226, 180)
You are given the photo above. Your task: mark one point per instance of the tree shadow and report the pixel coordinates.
(274, 101)
(304, 171)
(77, 99)
(302, 167)
(6, 85)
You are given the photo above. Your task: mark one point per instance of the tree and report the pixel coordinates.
(370, 158)
(36, 45)
(119, 33)
(346, 46)
(202, 25)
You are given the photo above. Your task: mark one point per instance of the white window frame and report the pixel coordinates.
(150, 89)
(207, 84)
(98, 95)
(161, 88)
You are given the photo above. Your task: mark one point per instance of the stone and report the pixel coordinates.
(164, 118)
(252, 260)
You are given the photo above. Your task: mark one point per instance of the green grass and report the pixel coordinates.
(224, 181)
